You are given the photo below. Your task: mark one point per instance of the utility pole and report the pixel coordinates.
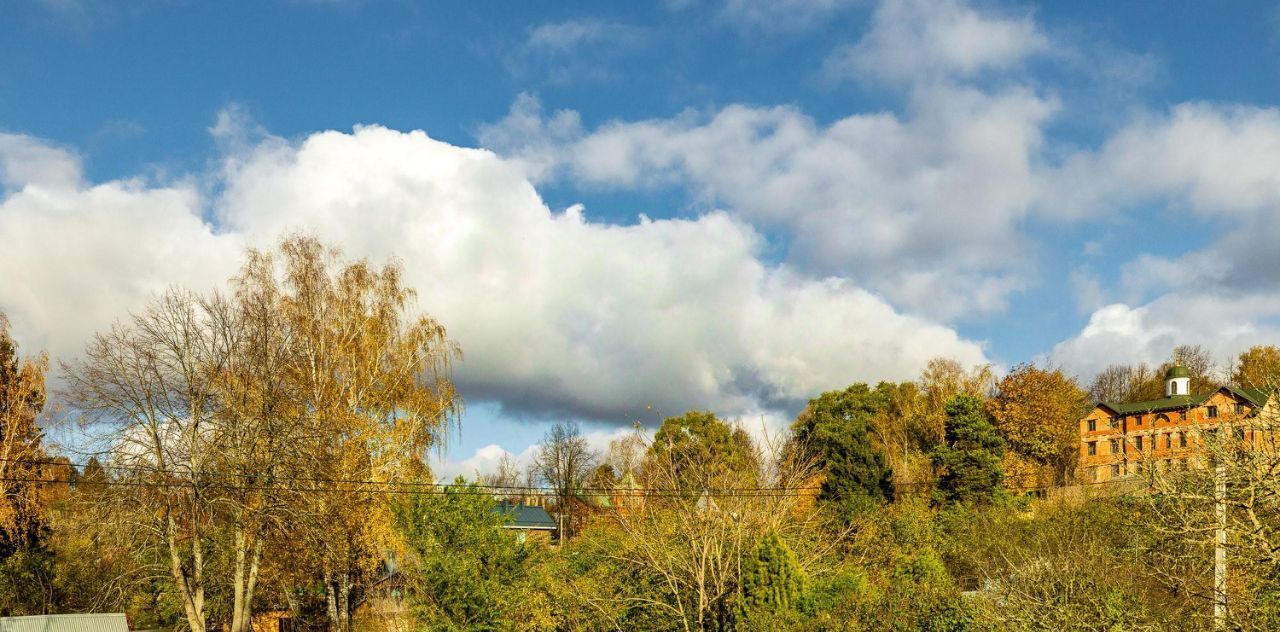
(1220, 547)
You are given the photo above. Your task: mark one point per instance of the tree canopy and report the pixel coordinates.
(836, 427)
(970, 458)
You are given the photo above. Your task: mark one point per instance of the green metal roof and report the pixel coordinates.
(1152, 405)
(66, 623)
(524, 516)
(1176, 371)
(1255, 396)
(1251, 395)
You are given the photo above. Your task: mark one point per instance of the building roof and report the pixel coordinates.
(114, 622)
(1252, 395)
(1176, 371)
(523, 516)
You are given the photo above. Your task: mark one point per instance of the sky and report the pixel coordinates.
(622, 211)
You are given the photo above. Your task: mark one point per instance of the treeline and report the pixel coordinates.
(264, 451)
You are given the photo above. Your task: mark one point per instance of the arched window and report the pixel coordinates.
(1173, 388)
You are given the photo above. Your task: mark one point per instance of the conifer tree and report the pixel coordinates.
(970, 458)
(772, 580)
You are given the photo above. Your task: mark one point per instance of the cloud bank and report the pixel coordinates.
(556, 314)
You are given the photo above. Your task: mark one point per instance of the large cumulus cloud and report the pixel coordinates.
(555, 313)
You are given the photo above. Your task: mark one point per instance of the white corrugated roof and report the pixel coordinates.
(66, 623)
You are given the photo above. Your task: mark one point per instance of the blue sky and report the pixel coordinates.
(778, 197)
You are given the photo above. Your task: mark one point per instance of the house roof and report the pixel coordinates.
(114, 622)
(524, 516)
(1252, 395)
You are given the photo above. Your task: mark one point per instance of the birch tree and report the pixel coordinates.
(22, 397)
(150, 383)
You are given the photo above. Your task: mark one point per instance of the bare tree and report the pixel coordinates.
(563, 461)
(152, 382)
(506, 479)
(1216, 512)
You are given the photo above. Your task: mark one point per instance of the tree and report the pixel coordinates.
(1136, 383)
(836, 427)
(505, 480)
(970, 458)
(1038, 411)
(941, 380)
(22, 397)
(772, 579)
(151, 383)
(703, 451)
(266, 419)
(563, 461)
(465, 569)
(1122, 383)
(1258, 367)
(626, 453)
(683, 552)
(372, 383)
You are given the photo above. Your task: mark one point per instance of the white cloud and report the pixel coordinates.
(923, 208)
(912, 41)
(772, 16)
(1210, 159)
(555, 313)
(1224, 324)
(574, 50)
(565, 37)
(26, 160)
(76, 256)
(1207, 168)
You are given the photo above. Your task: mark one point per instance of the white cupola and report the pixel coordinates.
(1177, 381)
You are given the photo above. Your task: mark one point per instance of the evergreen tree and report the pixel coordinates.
(772, 580)
(970, 458)
(837, 427)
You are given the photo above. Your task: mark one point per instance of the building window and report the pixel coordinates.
(1240, 409)
(1113, 422)
(1137, 442)
(1211, 412)
(1162, 419)
(1173, 388)
(1182, 414)
(1115, 446)
(1168, 441)
(1137, 420)
(1093, 448)
(1182, 439)
(1093, 425)
(1115, 470)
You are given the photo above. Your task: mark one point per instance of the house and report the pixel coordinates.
(527, 518)
(114, 622)
(1119, 439)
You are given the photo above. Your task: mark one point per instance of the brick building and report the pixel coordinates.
(1119, 439)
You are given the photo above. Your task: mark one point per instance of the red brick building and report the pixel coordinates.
(1119, 439)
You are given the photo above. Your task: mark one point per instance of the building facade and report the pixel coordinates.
(1120, 439)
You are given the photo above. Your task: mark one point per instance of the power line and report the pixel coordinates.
(438, 490)
(414, 486)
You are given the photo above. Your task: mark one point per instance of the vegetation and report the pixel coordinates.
(264, 453)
